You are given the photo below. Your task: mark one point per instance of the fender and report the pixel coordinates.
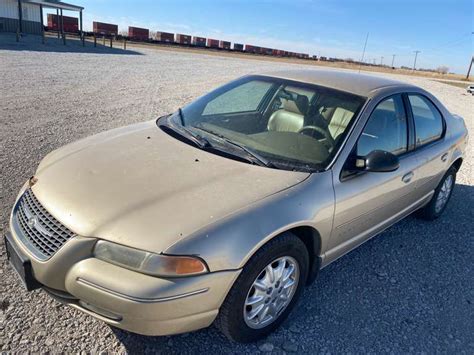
(230, 242)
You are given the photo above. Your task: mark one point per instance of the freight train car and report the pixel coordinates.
(277, 53)
(70, 23)
(224, 44)
(182, 39)
(165, 37)
(212, 43)
(199, 41)
(138, 34)
(106, 29)
(252, 49)
(238, 47)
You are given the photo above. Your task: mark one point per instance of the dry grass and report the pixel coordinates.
(454, 83)
(223, 53)
(343, 65)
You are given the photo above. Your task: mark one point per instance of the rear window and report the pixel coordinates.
(428, 120)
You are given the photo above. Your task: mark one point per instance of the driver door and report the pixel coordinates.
(368, 202)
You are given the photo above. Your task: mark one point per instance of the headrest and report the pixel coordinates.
(300, 105)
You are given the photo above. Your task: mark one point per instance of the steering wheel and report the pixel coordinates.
(319, 130)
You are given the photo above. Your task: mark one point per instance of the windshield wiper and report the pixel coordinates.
(262, 161)
(183, 131)
(257, 158)
(181, 116)
(197, 139)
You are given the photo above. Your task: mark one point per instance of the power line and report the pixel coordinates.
(441, 49)
(449, 44)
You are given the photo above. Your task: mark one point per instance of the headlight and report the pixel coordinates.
(148, 263)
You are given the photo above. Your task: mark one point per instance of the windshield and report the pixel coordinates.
(293, 125)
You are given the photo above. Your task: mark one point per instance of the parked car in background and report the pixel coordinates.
(470, 89)
(224, 210)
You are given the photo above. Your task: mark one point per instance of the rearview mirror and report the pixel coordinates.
(378, 161)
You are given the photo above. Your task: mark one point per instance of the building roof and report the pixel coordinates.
(56, 4)
(359, 84)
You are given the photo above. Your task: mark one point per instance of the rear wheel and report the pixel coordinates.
(440, 199)
(266, 290)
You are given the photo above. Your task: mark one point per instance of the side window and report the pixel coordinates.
(386, 129)
(428, 120)
(243, 98)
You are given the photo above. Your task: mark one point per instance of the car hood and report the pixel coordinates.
(140, 187)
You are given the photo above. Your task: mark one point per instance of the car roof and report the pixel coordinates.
(359, 84)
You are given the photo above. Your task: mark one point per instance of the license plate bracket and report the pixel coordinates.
(21, 264)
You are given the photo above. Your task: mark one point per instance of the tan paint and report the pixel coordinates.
(142, 188)
(139, 187)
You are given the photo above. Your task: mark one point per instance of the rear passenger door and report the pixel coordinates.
(429, 144)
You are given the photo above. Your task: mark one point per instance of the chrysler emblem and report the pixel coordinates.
(34, 223)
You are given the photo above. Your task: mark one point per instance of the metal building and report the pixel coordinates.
(26, 16)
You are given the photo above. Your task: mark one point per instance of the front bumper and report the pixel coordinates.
(127, 299)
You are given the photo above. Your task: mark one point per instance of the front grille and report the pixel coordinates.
(41, 233)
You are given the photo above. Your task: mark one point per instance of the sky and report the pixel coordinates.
(440, 29)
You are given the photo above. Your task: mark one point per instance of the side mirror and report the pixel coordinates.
(378, 161)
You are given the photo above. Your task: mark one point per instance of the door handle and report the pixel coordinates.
(407, 177)
(444, 157)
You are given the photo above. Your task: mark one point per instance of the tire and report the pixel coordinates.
(431, 211)
(233, 319)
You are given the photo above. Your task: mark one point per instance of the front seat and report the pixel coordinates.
(290, 117)
(339, 121)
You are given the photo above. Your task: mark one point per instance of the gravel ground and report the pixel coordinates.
(409, 290)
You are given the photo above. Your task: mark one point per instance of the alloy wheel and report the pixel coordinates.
(271, 292)
(444, 193)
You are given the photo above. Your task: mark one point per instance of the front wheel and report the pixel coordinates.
(266, 290)
(440, 198)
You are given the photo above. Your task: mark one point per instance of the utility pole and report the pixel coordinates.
(381, 60)
(470, 64)
(363, 52)
(414, 63)
(393, 59)
(469, 70)
(20, 17)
